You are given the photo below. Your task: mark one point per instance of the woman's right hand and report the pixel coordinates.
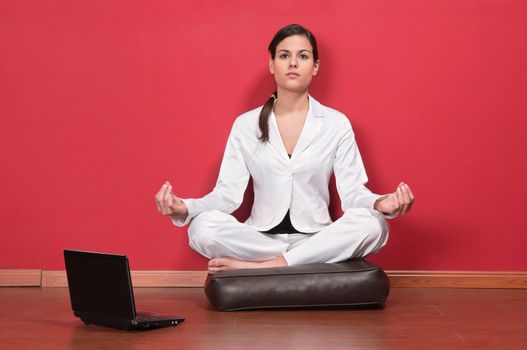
(168, 204)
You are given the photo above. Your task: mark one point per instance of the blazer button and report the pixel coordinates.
(292, 210)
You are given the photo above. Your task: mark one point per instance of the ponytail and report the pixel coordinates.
(265, 113)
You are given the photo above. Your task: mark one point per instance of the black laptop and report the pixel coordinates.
(101, 292)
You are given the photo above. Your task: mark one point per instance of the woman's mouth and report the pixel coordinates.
(292, 75)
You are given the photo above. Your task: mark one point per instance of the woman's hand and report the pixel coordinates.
(168, 204)
(397, 203)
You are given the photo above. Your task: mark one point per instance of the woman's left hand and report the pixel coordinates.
(398, 203)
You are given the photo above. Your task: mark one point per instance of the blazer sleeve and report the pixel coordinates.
(350, 175)
(228, 192)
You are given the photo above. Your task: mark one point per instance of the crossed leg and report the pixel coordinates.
(234, 245)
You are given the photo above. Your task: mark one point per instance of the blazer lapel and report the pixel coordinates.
(275, 139)
(310, 130)
(312, 127)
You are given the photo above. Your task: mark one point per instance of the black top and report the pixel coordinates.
(285, 226)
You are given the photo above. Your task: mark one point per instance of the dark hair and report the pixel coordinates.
(292, 29)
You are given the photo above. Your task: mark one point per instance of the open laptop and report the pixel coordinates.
(101, 292)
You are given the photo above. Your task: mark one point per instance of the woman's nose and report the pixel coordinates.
(293, 63)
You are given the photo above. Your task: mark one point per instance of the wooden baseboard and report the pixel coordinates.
(139, 278)
(398, 279)
(169, 278)
(457, 279)
(20, 278)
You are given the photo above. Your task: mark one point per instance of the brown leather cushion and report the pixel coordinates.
(349, 283)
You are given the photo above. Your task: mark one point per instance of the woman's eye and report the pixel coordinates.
(283, 56)
(304, 57)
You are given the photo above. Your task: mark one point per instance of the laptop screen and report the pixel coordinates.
(100, 284)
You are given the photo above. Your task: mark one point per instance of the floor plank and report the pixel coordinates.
(413, 318)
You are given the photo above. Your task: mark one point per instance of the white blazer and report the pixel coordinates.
(300, 183)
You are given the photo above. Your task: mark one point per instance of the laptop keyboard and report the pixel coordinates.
(146, 316)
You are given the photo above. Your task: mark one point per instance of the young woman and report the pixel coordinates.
(290, 147)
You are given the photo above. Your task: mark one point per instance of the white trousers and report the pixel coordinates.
(359, 232)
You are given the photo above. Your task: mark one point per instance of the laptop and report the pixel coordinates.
(101, 292)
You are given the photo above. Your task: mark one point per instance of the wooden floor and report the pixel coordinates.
(412, 319)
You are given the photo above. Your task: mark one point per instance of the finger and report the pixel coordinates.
(411, 197)
(216, 262)
(160, 193)
(171, 203)
(213, 270)
(168, 191)
(167, 199)
(156, 199)
(400, 201)
(406, 198)
(160, 197)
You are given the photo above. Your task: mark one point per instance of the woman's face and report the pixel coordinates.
(293, 65)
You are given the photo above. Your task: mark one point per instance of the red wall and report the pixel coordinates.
(102, 101)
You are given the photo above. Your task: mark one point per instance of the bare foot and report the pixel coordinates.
(229, 263)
